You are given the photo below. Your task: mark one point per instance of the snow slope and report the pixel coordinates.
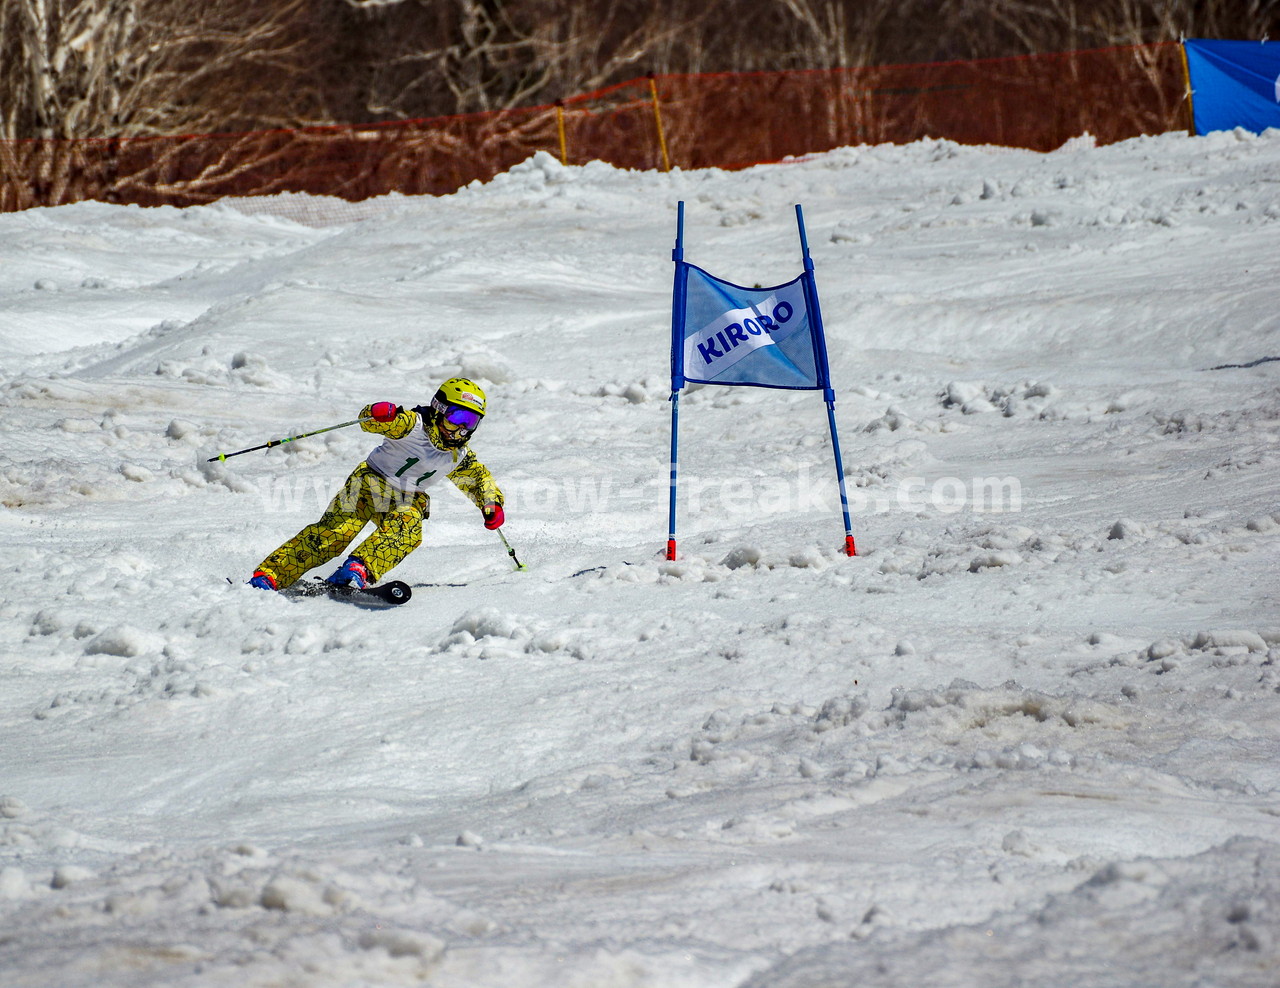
(1028, 736)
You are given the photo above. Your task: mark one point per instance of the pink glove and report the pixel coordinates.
(493, 516)
(384, 411)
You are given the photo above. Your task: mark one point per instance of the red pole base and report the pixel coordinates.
(849, 548)
(671, 548)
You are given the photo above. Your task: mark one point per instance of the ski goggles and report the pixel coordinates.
(463, 418)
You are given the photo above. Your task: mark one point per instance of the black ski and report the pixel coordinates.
(375, 597)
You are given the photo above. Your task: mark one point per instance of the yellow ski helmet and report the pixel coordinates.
(456, 410)
(461, 392)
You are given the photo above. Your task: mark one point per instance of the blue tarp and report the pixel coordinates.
(1234, 84)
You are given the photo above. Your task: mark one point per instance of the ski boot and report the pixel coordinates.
(263, 581)
(352, 573)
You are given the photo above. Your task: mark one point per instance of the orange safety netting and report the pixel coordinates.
(729, 120)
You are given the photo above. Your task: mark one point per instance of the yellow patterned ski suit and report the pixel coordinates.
(397, 507)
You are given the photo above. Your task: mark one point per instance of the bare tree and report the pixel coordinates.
(117, 68)
(1143, 21)
(430, 57)
(121, 68)
(994, 28)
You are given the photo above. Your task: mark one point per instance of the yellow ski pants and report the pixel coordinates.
(366, 497)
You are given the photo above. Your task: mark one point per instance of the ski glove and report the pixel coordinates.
(493, 516)
(384, 411)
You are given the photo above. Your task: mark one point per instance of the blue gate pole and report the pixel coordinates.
(671, 511)
(824, 378)
(677, 370)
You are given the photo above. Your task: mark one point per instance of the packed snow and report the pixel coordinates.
(1030, 734)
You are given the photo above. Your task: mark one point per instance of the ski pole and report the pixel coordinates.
(279, 442)
(510, 551)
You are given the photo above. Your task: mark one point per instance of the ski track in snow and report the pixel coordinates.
(998, 748)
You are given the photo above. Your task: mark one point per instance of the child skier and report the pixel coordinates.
(420, 447)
